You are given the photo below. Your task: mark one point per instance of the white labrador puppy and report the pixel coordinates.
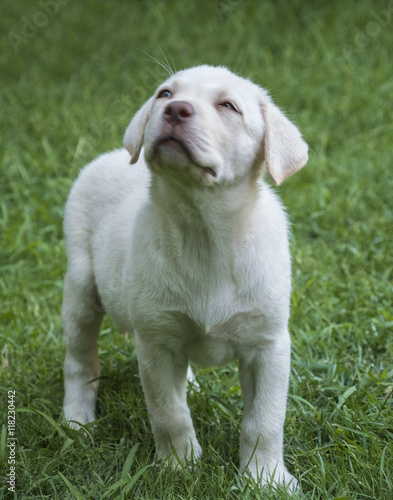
(188, 249)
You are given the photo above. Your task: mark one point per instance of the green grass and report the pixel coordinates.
(67, 95)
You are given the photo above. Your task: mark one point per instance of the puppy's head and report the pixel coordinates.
(209, 125)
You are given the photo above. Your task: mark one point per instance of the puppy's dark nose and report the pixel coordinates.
(178, 112)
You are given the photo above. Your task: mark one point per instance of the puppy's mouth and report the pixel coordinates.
(178, 145)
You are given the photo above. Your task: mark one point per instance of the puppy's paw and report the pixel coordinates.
(78, 417)
(267, 477)
(180, 456)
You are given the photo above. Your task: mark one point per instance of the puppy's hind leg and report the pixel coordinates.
(82, 315)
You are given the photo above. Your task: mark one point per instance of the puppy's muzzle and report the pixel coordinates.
(175, 131)
(179, 112)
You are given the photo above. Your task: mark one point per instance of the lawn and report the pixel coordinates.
(72, 75)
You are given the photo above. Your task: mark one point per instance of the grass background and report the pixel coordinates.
(71, 79)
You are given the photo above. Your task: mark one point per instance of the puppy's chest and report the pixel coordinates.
(207, 337)
(207, 290)
(207, 313)
(223, 342)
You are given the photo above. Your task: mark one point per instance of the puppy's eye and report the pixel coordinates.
(229, 105)
(165, 93)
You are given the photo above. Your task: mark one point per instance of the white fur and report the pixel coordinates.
(188, 249)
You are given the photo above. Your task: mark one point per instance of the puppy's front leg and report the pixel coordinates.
(164, 379)
(264, 375)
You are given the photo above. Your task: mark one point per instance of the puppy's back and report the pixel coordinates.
(101, 186)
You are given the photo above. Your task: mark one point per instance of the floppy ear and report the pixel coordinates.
(133, 138)
(285, 150)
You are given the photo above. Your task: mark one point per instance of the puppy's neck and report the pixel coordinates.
(216, 216)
